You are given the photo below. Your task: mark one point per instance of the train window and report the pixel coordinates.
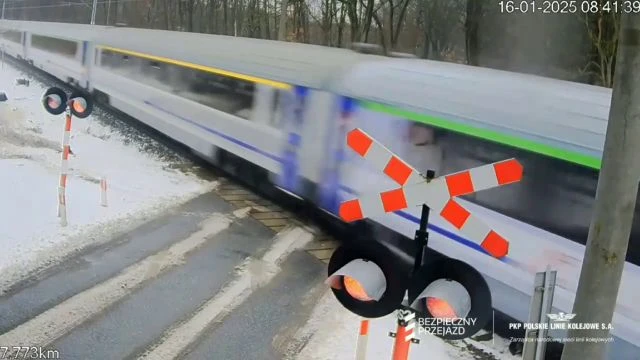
(13, 36)
(55, 45)
(230, 95)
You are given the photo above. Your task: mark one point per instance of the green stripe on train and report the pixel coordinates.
(536, 147)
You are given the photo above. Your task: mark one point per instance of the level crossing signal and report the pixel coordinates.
(367, 277)
(56, 101)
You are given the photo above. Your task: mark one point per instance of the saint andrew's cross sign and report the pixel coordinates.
(438, 194)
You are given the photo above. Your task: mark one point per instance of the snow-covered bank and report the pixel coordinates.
(140, 184)
(332, 333)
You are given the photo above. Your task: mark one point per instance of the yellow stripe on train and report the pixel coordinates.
(208, 69)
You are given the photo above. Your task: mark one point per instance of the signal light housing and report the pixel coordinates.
(450, 288)
(81, 104)
(366, 280)
(55, 102)
(446, 294)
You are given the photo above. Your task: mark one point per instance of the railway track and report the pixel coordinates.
(276, 218)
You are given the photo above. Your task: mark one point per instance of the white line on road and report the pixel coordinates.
(57, 321)
(253, 273)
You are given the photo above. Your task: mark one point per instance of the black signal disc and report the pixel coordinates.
(81, 104)
(54, 101)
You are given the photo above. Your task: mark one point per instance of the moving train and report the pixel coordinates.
(285, 108)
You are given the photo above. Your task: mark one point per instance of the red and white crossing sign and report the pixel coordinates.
(438, 193)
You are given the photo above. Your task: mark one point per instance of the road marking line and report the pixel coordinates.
(253, 273)
(61, 319)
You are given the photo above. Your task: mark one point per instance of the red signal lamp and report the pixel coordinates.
(365, 281)
(449, 289)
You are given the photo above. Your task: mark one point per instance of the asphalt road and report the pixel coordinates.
(225, 276)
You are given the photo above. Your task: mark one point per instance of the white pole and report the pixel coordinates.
(64, 167)
(3, 2)
(363, 337)
(62, 206)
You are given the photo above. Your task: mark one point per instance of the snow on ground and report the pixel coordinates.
(140, 184)
(332, 333)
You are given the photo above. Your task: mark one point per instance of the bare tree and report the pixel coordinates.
(265, 18)
(351, 9)
(603, 29)
(441, 18)
(282, 27)
(474, 12)
(396, 8)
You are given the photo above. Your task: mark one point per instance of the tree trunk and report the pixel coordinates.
(473, 14)
(343, 15)
(225, 17)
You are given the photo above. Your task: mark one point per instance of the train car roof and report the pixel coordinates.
(70, 31)
(292, 63)
(532, 110)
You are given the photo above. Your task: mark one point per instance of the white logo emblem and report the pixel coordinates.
(561, 317)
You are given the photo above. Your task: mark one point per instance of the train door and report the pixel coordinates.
(304, 117)
(340, 121)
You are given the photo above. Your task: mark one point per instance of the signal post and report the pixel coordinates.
(55, 101)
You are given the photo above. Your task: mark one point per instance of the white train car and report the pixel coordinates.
(285, 108)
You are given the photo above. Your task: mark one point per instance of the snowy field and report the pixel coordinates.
(141, 184)
(332, 334)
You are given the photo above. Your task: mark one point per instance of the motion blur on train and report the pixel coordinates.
(285, 109)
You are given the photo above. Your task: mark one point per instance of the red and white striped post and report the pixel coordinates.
(55, 102)
(64, 168)
(363, 337)
(404, 335)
